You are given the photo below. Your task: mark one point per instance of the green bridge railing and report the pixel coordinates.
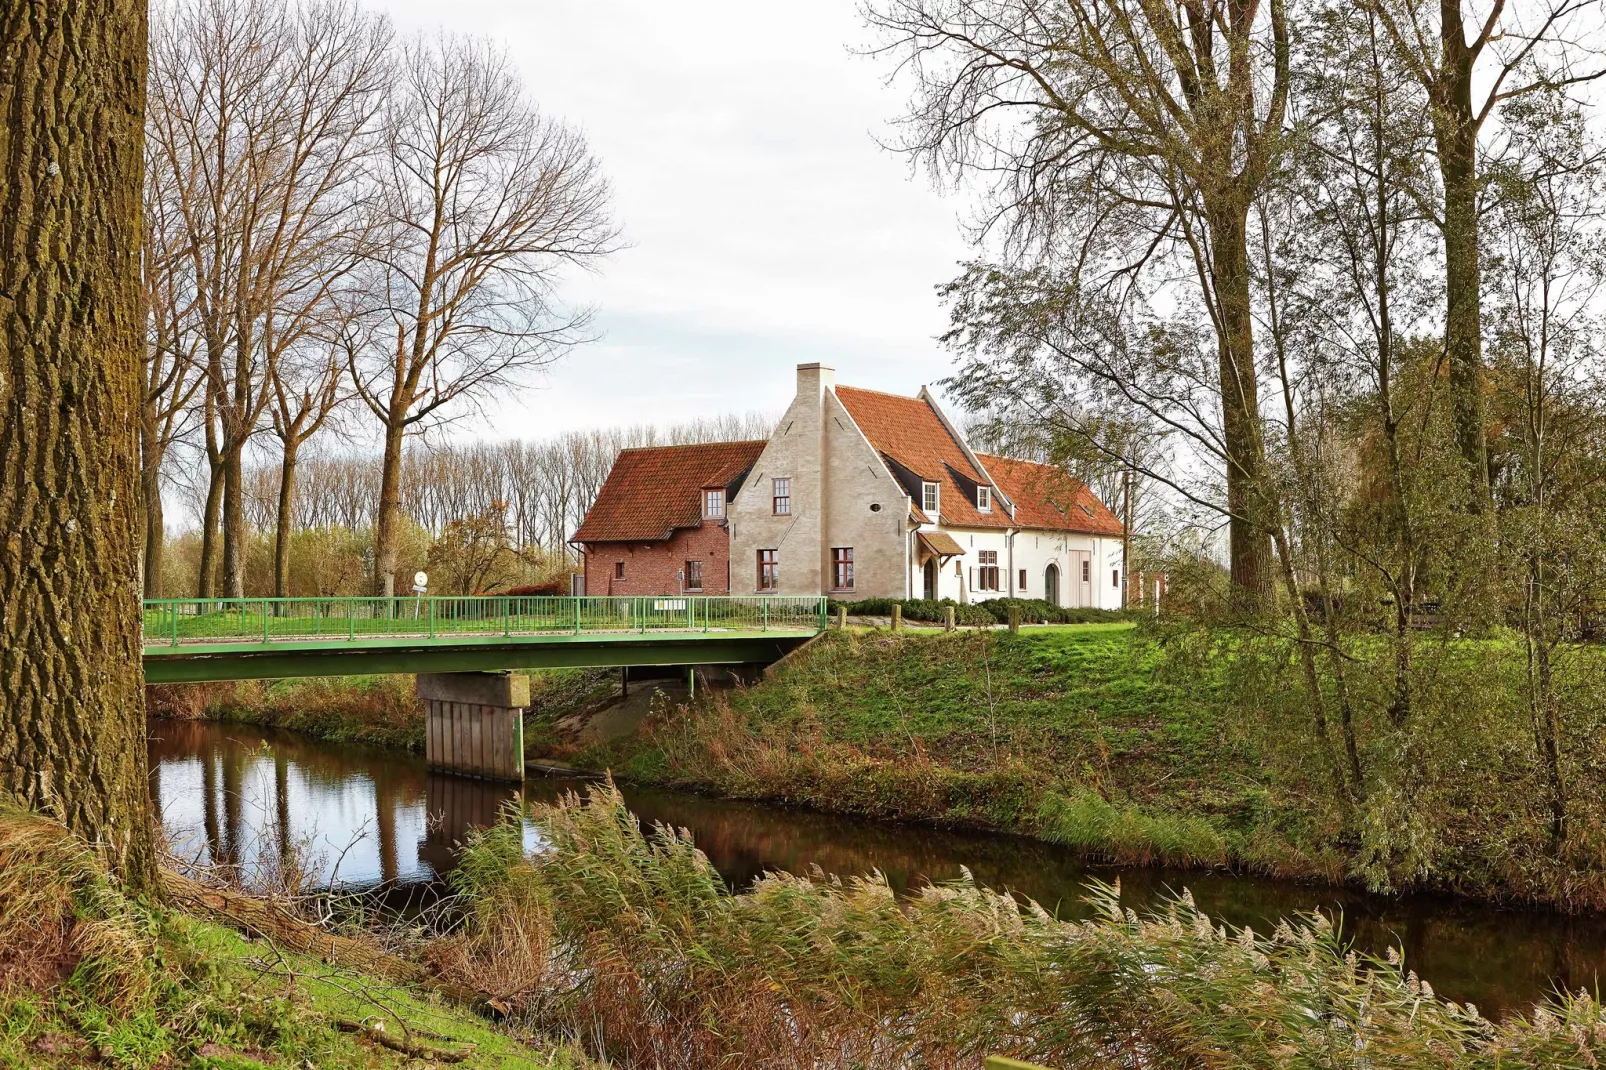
(176, 622)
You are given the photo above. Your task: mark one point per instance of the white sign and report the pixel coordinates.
(670, 603)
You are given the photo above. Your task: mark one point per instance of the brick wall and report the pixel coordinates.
(651, 568)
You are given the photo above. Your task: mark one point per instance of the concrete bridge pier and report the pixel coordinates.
(475, 722)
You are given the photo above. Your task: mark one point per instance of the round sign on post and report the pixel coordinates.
(420, 582)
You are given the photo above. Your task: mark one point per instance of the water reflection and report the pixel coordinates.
(366, 817)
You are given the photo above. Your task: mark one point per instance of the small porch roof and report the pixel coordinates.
(940, 544)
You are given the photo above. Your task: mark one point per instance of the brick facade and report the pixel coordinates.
(653, 567)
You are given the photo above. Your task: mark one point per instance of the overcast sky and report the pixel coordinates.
(767, 227)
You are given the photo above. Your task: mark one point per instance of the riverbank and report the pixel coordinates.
(1151, 748)
(90, 977)
(1189, 748)
(381, 711)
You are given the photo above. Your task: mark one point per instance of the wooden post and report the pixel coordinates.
(1014, 620)
(897, 617)
(947, 618)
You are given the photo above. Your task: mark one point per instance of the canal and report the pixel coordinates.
(363, 818)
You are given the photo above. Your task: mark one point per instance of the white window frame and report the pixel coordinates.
(714, 503)
(931, 498)
(984, 499)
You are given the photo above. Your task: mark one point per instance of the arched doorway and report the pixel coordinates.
(931, 579)
(1051, 585)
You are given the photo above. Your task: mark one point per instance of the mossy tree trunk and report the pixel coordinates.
(72, 716)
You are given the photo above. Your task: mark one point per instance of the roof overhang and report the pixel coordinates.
(940, 544)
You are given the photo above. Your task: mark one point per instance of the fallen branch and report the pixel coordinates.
(415, 1049)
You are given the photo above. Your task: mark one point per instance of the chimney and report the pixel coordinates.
(815, 379)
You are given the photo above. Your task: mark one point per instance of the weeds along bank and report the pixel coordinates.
(90, 978)
(1187, 747)
(637, 947)
(382, 711)
(377, 710)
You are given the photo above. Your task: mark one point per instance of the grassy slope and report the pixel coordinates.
(1194, 753)
(230, 1003)
(1061, 725)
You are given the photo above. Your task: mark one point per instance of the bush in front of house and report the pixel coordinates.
(921, 609)
(982, 614)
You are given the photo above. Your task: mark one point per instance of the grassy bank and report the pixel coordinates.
(381, 711)
(1191, 749)
(88, 977)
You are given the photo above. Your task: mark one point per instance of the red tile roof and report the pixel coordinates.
(909, 431)
(1046, 497)
(653, 490)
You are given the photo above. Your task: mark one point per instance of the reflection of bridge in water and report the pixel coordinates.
(189, 640)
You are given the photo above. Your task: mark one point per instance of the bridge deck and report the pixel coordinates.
(195, 640)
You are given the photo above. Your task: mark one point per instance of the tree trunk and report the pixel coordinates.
(1456, 137)
(281, 534)
(206, 583)
(72, 710)
(389, 514)
(150, 461)
(234, 521)
(1249, 536)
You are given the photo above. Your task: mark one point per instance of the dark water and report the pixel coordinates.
(365, 817)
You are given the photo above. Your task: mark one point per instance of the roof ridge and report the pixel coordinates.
(696, 445)
(883, 393)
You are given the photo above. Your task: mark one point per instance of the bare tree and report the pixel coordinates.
(483, 203)
(1122, 140)
(170, 375)
(269, 113)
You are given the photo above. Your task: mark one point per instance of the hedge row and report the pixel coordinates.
(992, 611)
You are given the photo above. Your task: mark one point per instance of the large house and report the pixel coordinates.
(856, 494)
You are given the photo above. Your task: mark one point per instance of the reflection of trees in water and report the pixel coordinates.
(1496, 958)
(379, 786)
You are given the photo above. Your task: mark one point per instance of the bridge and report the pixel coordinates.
(194, 640)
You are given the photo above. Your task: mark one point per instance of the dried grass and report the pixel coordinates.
(60, 917)
(635, 946)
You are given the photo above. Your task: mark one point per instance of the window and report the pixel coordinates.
(619, 567)
(714, 504)
(782, 491)
(767, 570)
(1022, 581)
(1087, 570)
(1115, 578)
(987, 572)
(930, 499)
(984, 499)
(694, 575)
(842, 568)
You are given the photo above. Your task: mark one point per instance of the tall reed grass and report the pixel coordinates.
(633, 944)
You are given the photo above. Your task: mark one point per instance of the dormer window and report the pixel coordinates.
(714, 504)
(930, 499)
(984, 499)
